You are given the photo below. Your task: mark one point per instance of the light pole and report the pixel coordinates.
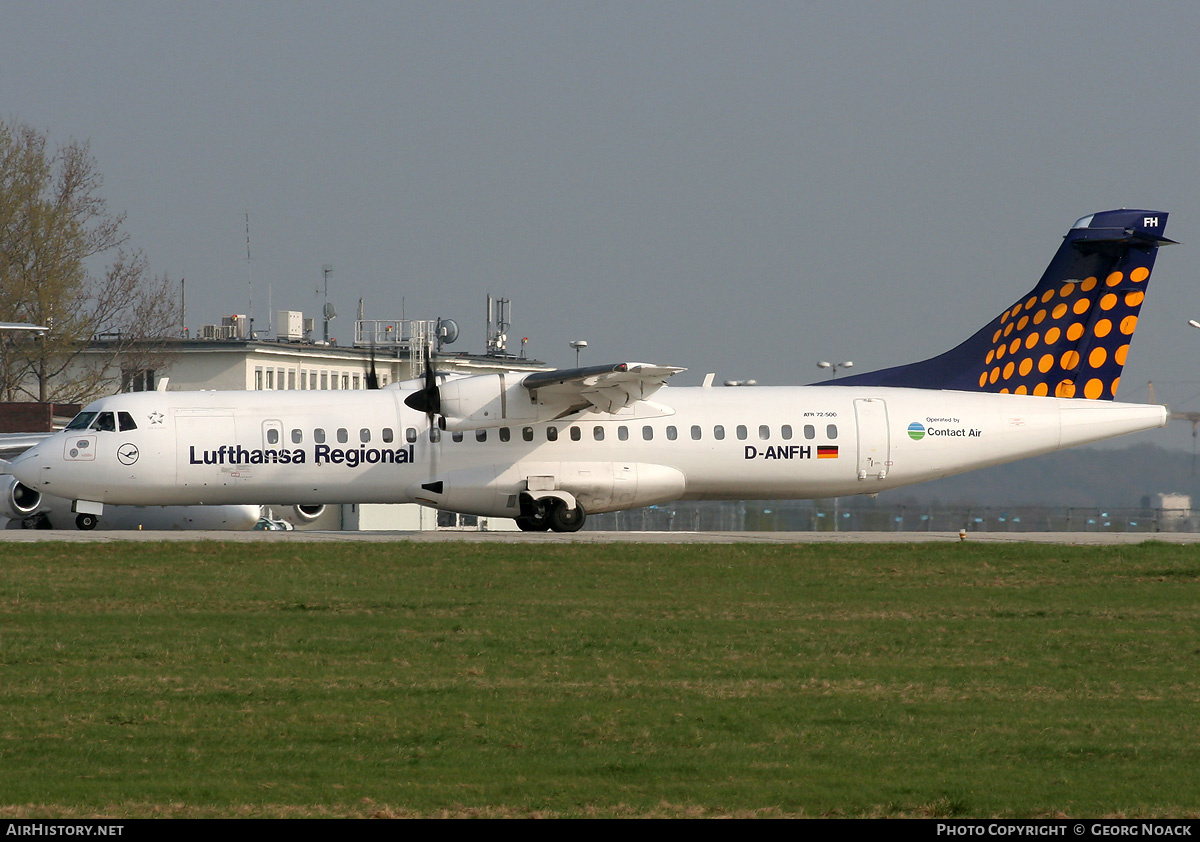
(835, 366)
(578, 345)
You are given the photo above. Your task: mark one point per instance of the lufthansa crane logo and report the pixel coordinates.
(127, 454)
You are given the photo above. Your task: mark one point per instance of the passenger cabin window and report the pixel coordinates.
(719, 433)
(505, 434)
(576, 435)
(481, 435)
(672, 433)
(410, 434)
(297, 436)
(126, 421)
(623, 433)
(831, 431)
(552, 434)
(786, 432)
(764, 432)
(598, 433)
(388, 435)
(319, 435)
(527, 433)
(458, 436)
(272, 435)
(810, 432)
(696, 432)
(742, 433)
(364, 435)
(435, 435)
(342, 435)
(648, 433)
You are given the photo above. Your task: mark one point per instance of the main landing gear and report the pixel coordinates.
(550, 513)
(86, 521)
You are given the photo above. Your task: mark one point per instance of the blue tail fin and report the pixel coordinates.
(1069, 335)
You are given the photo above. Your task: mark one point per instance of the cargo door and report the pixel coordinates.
(874, 441)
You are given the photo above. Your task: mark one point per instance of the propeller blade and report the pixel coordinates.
(429, 399)
(372, 374)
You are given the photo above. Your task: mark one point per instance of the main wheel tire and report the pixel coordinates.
(533, 524)
(563, 519)
(86, 521)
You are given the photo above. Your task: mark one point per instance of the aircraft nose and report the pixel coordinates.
(27, 467)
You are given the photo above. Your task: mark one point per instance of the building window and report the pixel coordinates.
(137, 381)
(258, 379)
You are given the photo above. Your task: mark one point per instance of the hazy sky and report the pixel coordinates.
(735, 187)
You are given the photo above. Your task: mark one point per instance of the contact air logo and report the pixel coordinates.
(916, 431)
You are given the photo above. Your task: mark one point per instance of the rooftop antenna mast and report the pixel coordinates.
(327, 312)
(249, 280)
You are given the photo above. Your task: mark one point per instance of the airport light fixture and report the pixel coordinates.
(834, 366)
(578, 345)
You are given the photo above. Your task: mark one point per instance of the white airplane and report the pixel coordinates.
(545, 448)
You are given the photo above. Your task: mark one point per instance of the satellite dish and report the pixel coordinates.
(330, 313)
(447, 331)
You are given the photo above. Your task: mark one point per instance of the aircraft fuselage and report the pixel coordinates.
(695, 443)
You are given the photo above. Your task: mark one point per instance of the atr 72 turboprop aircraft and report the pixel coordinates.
(547, 447)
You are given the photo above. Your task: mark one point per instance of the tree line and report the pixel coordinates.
(66, 263)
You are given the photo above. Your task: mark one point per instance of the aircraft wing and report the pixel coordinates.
(607, 388)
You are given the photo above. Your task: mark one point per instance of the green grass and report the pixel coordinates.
(216, 679)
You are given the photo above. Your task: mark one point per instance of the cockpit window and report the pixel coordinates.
(105, 422)
(81, 421)
(126, 420)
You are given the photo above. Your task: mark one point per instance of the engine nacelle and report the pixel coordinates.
(19, 500)
(485, 400)
(308, 513)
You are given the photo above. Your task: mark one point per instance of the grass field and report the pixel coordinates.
(215, 679)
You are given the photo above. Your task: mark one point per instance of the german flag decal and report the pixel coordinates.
(827, 451)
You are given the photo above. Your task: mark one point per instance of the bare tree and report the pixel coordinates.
(55, 230)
